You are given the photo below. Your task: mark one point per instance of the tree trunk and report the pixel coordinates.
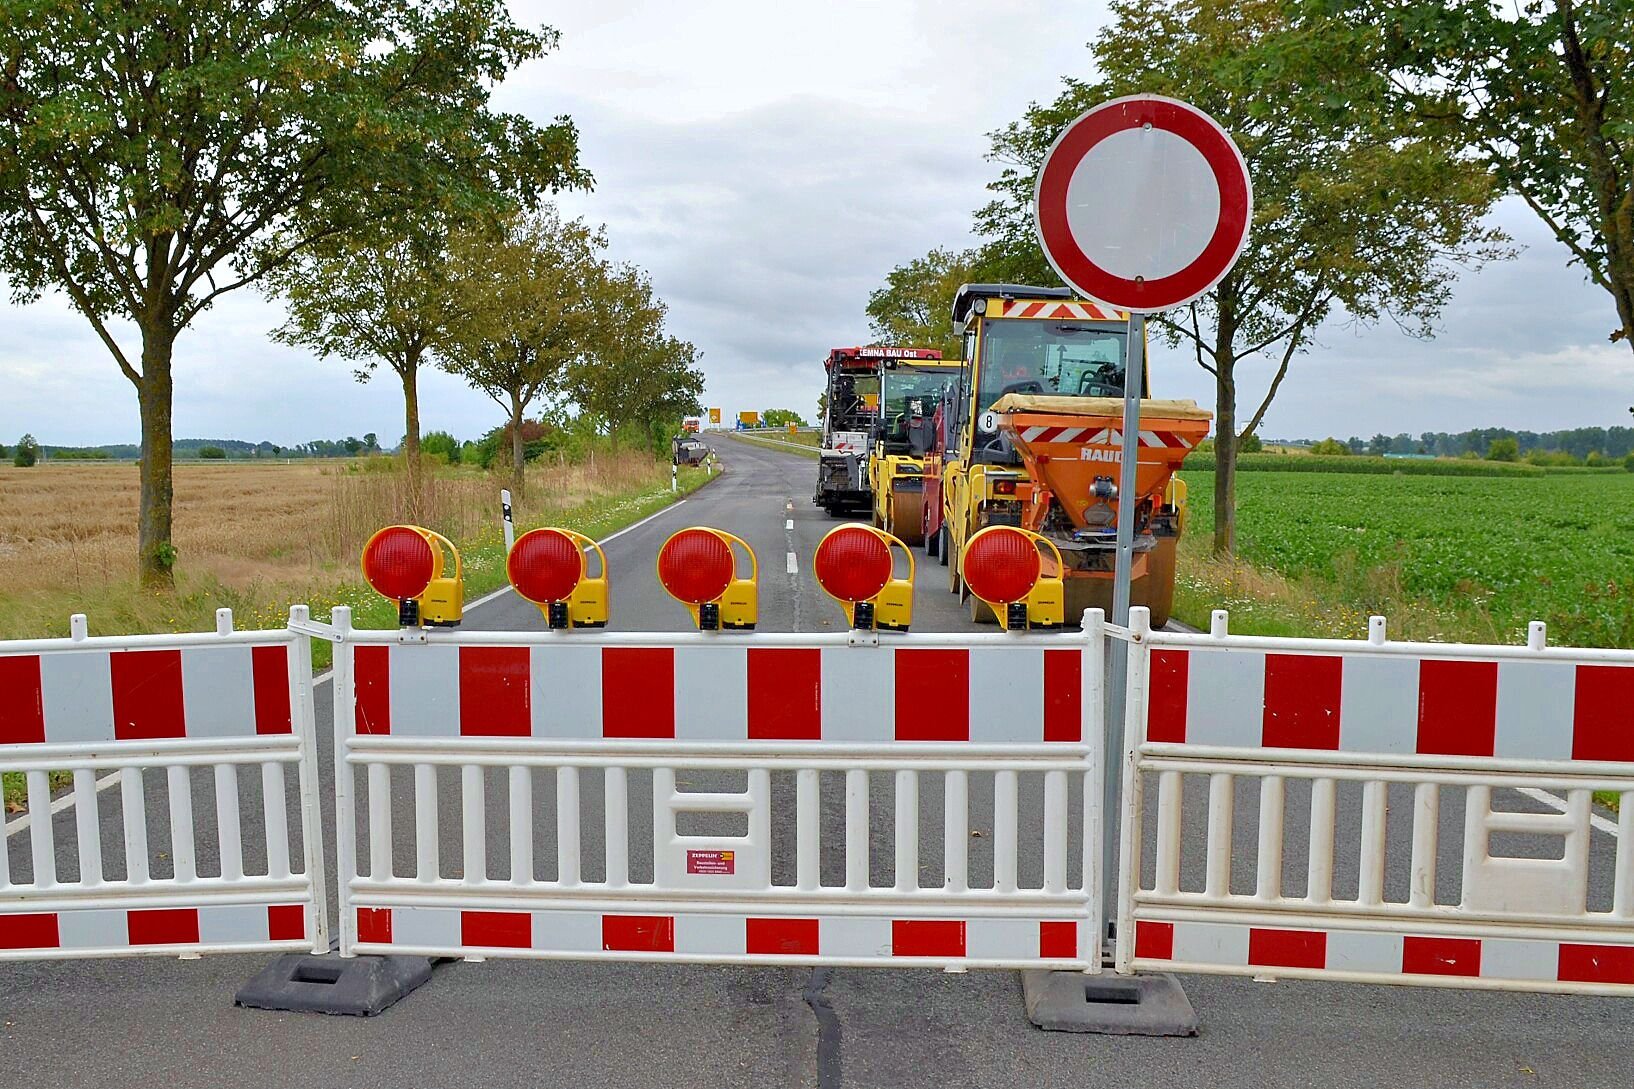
(409, 371)
(519, 454)
(1225, 461)
(155, 555)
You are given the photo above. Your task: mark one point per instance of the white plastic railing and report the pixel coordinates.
(1419, 813)
(221, 726)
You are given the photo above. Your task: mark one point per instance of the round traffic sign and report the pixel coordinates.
(1143, 203)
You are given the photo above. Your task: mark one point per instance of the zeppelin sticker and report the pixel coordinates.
(711, 862)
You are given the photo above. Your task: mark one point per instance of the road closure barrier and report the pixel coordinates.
(719, 797)
(1479, 763)
(218, 725)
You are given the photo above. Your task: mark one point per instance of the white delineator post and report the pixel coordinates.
(510, 522)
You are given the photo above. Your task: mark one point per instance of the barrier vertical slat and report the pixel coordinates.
(1221, 797)
(345, 723)
(1137, 681)
(1055, 831)
(41, 837)
(88, 826)
(856, 829)
(760, 816)
(1169, 801)
(133, 807)
(521, 798)
(1268, 858)
(474, 825)
(5, 854)
(956, 830)
(183, 850)
(1426, 818)
(427, 860)
(304, 723)
(229, 836)
(616, 795)
(1324, 800)
(1372, 862)
(276, 818)
(808, 831)
(907, 831)
(1005, 796)
(377, 780)
(1622, 902)
(1092, 723)
(567, 826)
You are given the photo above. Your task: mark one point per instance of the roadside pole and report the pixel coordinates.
(510, 523)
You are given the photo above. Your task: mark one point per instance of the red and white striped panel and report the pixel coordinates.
(1067, 311)
(1103, 436)
(590, 934)
(86, 930)
(1184, 945)
(729, 693)
(75, 696)
(1392, 704)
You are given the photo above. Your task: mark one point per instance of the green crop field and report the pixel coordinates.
(1487, 553)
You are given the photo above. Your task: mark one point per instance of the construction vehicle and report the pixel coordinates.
(910, 391)
(852, 411)
(1033, 439)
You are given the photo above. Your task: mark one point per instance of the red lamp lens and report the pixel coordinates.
(696, 566)
(1001, 565)
(398, 563)
(853, 564)
(545, 565)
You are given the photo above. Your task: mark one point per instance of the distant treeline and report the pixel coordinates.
(1580, 442)
(236, 449)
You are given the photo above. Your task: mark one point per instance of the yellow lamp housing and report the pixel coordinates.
(1041, 605)
(406, 564)
(547, 568)
(698, 566)
(855, 566)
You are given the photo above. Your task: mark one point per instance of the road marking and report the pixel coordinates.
(1558, 804)
(789, 524)
(794, 565)
(18, 825)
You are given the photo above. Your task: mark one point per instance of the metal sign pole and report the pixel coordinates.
(1112, 762)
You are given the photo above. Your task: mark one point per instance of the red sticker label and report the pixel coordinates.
(711, 862)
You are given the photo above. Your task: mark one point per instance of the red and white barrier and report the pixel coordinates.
(220, 722)
(1477, 743)
(992, 724)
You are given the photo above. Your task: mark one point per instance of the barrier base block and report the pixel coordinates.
(1139, 1005)
(352, 986)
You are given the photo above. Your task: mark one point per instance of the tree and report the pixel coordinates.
(781, 417)
(156, 155)
(371, 441)
(1355, 211)
(527, 296)
(441, 445)
(28, 452)
(1331, 447)
(212, 453)
(1542, 92)
(1503, 450)
(915, 307)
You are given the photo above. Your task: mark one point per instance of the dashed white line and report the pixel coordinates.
(789, 524)
(794, 565)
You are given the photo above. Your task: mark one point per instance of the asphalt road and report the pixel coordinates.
(153, 1021)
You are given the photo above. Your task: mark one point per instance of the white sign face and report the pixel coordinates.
(989, 421)
(1143, 203)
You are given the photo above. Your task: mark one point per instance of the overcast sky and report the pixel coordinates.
(769, 164)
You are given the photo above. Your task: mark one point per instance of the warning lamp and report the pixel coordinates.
(1005, 567)
(854, 566)
(547, 567)
(405, 564)
(698, 567)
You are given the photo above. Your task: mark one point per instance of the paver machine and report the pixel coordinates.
(904, 432)
(1033, 439)
(853, 411)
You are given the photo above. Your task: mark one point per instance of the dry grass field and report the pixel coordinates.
(258, 537)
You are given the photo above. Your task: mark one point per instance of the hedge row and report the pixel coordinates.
(1203, 461)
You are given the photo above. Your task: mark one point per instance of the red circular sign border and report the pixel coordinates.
(1095, 125)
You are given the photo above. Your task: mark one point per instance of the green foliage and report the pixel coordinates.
(212, 453)
(1628, 463)
(63, 454)
(1330, 447)
(441, 445)
(1503, 450)
(1555, 458)
(639, 377)
(915, 307)
(1513, 546)
(781, 417)
(1366, 464)
(1249, 444)
(28, 452)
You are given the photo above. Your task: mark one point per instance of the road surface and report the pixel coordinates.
(499, 1024)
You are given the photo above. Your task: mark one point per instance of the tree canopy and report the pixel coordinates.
(915, 307)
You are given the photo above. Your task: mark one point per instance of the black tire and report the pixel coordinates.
(942, 546)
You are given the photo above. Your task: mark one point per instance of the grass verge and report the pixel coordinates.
(798, 449)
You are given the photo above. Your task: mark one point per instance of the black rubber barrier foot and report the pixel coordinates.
(1142, 1005)
(353, 986)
